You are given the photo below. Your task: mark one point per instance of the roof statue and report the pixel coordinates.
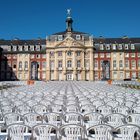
(69, 12)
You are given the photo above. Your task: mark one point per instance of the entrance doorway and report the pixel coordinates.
(69, 76)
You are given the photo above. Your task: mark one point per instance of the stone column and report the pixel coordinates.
(55, 66)
(64, 66)
(83, 66)
(91, 74)
(48, 66)
(74, 66)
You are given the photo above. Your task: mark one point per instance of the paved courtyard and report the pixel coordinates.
(70, 110)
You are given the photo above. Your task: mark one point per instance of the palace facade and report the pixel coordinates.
(70, 55)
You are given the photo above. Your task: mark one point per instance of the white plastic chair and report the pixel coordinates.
(93, 118)
(72, 132)
(133, 119)
(73, 118)
(115, 119)
(45, 132)
(40, 109)
(127, 132)
(53, 118)
(11, 118)
(105, 109)
(32, 119)
(18, 132)
(100, 132)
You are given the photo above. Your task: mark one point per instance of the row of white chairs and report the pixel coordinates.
(84, 104)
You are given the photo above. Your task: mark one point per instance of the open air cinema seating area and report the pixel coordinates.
(69, 111)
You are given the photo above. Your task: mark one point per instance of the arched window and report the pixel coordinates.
(26, 65)
(20, 65)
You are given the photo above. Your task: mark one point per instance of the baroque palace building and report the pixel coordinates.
(70, 55)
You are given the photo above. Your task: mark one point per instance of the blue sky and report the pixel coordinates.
(30, 19)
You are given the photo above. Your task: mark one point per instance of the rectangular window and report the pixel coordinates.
(78, 53)
(132, 54)
(138, 54)
(133, 64)
(102, 55)
(127, 63)
(121, 64)
(114, 64)
(43, 65)
(78, 64)
(96, 55)
(108, 55)
(59, 53)
(69, 64)
(60, 64)
(51, 54)
(96, 64)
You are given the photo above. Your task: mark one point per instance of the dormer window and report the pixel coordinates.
(69, 53)
(120, 47)
(114, 46)
(32, 48)
(126, 46)
(132, 47)
(78, 37)
(26, 48)
(101, 47)
(107, 47)
(37, 48)
(9, 48)
(20, 48)
(60, 37)
(14, 48)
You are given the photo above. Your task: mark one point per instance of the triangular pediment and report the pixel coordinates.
(69, 42)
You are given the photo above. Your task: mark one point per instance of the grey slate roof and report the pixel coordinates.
(22, 42)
